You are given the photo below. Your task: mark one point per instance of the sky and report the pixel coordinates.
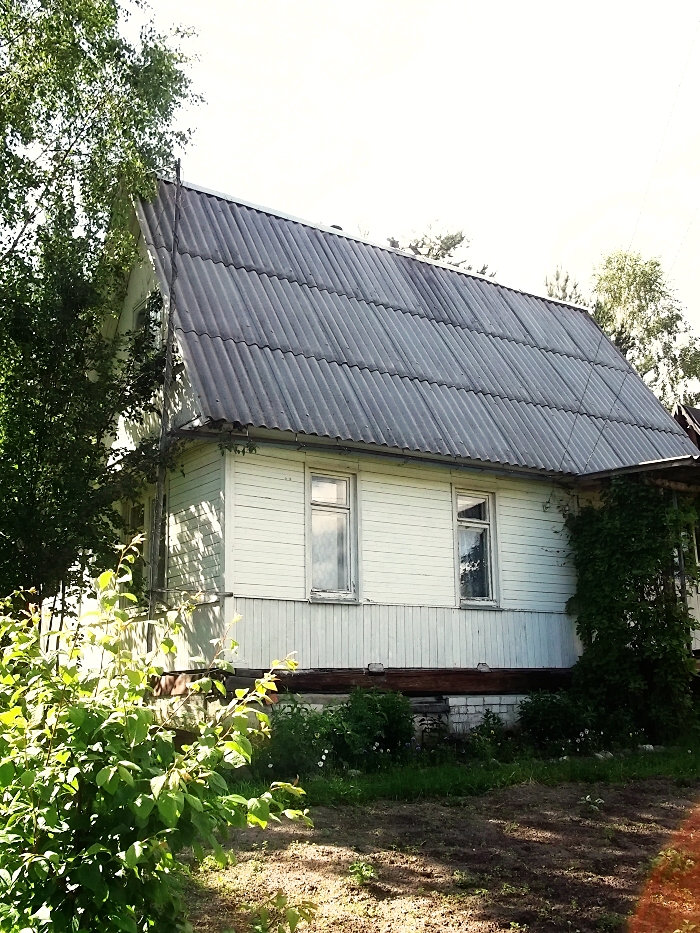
(551, 133)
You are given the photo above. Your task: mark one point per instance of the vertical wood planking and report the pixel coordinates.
(342, 635)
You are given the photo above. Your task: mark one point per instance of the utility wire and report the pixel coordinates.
(580, 404)
(607, 419)
(663, 137)
(685, 235)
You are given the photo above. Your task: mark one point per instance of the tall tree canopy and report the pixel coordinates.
(636, 307)
(85, 121)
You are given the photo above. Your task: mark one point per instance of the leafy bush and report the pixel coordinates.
(97, 801)
(555, 723)
(369, 729)
(372, 728)
(301, 740)
(564, 724)
(488, 739)
(633, 623)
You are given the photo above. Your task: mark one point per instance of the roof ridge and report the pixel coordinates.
(337, 231)
(474, 330)
(429, 382)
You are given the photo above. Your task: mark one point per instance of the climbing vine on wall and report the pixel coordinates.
(630, 553)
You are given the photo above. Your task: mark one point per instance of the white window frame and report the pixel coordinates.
(494, 597)
(333, 596)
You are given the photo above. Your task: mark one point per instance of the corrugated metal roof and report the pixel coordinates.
(288, 326)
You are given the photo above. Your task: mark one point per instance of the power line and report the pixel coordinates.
(663, 138)
(580, 404)
(607, 419)
(685, 235)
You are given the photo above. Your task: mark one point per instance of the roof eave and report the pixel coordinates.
(646, 467)
(313, 443)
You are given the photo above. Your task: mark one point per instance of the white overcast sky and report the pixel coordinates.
(547, 131)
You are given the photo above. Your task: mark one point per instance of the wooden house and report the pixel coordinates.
(415, 437)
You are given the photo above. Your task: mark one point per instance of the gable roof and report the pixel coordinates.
(286, 325)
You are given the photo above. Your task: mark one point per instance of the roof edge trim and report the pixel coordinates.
(665, 464)
(310, 443)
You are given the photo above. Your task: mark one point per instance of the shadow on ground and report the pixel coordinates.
(569, 858)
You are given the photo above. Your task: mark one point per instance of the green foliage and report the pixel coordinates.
(637, 308)
(362, 872)
(97, 799)
(85, 121)
(635, 629)
(85, 116)
(373, 727)
(488, 739)
(369, 730)
(301, 740)
(279, 915)
(558, 723)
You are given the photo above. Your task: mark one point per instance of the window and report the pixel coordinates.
(331, 535)
(474, 546)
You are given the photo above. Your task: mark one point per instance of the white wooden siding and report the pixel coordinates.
(694, 606)
(353, 636)
(408, 609)
(268, 535)
(407, 540)
(195, 545)
(405, 532)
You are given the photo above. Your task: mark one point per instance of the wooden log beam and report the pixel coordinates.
(411, 681)
(428, 681)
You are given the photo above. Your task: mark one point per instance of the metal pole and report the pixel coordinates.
(164, 439)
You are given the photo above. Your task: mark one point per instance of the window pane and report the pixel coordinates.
(474, 582)
(472, 507)
(329, 551)
(329, 490)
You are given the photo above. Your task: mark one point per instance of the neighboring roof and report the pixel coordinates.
(286, 325)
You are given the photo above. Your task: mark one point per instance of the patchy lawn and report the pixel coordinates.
(529, 857)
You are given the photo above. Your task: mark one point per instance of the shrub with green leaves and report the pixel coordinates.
(488, 739)
(372, 728)
(557, 723)
(369, 729)
(634, 625)
(97, 800)
(302, 740)
(565, 724)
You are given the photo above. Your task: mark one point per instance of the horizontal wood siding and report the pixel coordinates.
(268, 521)
(353, 636)
(535, 571)
(406, 536)
(407, 540)
(694, 606)
(196, 545)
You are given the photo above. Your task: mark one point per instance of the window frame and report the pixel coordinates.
(333, 596)
(493, 599)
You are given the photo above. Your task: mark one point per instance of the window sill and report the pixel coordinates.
(334, 598)
(478, 604)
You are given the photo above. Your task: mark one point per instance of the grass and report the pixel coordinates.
(412, 782)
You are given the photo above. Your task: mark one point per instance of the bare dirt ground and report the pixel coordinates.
(527, 858)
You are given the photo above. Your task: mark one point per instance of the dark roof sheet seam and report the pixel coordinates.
(433, 383)
(474, 330)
